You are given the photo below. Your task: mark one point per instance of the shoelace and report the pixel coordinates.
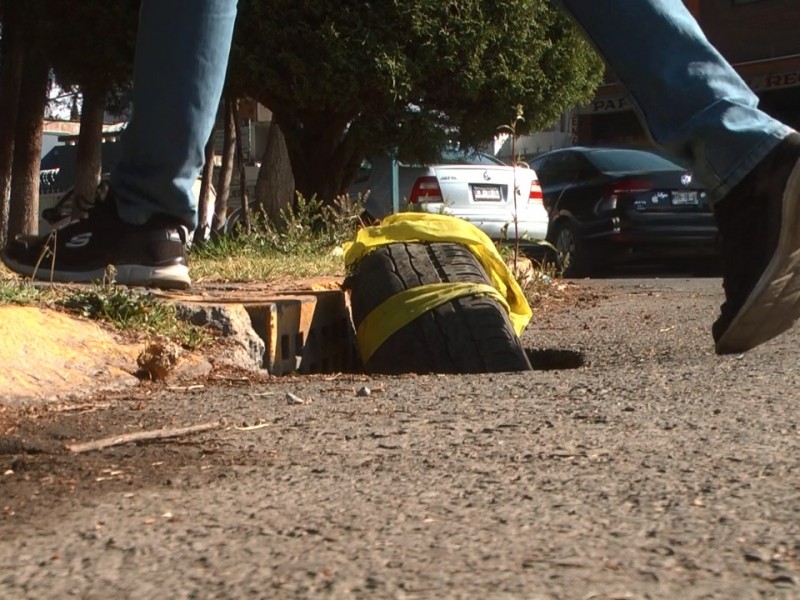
(85, 205)
(101, 210)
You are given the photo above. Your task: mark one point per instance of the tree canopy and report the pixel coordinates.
(86, 44)
(91, 44)
(348, 78)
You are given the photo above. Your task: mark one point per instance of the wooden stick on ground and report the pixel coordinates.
(154, 434)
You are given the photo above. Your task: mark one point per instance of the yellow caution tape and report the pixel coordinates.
(429, 227)
(399, 310)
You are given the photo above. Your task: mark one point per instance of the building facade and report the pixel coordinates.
(760, 38)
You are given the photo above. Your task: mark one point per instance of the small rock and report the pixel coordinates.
(292, 399)
(364, 391)
(158, 359)
(755, 555)
(246, 348)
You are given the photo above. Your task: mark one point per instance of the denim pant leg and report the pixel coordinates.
(691, 101)
(181, 59)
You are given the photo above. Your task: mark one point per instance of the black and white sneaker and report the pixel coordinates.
(759, 225)
(150, 255)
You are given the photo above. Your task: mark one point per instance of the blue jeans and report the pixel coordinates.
(181, 58)
(692, 102)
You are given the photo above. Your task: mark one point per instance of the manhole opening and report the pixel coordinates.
(555, 359)
(318, 337)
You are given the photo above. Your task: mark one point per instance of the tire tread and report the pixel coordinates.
(471, 334)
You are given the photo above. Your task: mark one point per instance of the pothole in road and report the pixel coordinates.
(315, 334)
(311, 332)
(555, 359)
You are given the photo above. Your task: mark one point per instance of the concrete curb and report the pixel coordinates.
(46, 355)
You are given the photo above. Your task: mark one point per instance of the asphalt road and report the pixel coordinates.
(638, 465)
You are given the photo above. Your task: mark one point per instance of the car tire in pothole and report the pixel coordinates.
(469, 334)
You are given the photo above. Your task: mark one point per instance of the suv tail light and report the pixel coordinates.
(426, 189)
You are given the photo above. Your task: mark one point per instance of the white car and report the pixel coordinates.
(474, 186)
(503, 202)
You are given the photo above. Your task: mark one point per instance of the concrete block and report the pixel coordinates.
(305, 333)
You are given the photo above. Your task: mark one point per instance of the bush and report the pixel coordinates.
(307, 226)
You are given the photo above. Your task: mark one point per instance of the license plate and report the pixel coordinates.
(486, 193)
(684, 198)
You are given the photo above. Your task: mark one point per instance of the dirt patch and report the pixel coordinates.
(39, 474)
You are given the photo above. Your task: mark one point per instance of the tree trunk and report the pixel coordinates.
(11, 58)
(275, 184)
(322, 164)
(245, 220)
(226, 168)
(203, 206)
(89, 151)
(23, 211)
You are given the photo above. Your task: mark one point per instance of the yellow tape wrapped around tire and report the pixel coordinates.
(422, 306)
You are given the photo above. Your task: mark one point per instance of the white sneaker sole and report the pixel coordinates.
(172, 277)
(774, 303)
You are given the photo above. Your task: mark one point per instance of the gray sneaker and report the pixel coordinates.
(759, 225)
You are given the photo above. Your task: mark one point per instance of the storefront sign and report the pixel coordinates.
(606, 105)
(774, 81)
(616, 102)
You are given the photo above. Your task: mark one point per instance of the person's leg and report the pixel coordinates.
(692, 102)
(181, 59)
(695, 106)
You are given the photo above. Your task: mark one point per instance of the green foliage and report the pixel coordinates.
(18, 292)
(91, 44)
(123, 308)
(132, 311)
(345, 80)
(309, 225)
(306, 243)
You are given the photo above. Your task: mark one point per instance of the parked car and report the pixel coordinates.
(58, 166)
(607, 205)
(474, 186)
